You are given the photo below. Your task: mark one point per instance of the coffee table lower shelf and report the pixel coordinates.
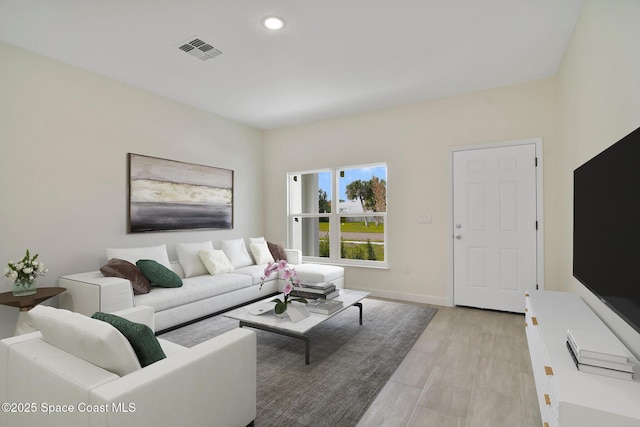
(303, 337)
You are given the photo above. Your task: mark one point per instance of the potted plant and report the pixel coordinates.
(24, 274)
(294, 312)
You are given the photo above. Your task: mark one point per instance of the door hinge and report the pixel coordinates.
(536, 225)
(536, 162)
(537, 287)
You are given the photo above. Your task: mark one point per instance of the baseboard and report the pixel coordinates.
(402, 296)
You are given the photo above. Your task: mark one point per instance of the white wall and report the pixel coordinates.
(414, 140)
(592, 103)
(599, 102)
(64, 138)
(64, 135)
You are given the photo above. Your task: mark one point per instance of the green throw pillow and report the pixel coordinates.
(158, 274)
(140, 336)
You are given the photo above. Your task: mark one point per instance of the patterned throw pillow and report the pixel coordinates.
(261, 253)
(140, 336)
(216, 261)
(158, 274)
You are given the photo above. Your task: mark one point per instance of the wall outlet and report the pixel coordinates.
(424, 219)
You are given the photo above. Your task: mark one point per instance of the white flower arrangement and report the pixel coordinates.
(26, 270)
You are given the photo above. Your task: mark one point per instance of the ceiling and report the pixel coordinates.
(333, 57)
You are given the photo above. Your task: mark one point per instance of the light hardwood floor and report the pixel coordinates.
(469, 368)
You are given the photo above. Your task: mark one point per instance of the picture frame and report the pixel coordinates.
(170, 195)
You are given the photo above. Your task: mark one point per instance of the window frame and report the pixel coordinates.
(335, 219)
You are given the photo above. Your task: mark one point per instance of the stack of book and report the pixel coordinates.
(324, 306)
(589, 356)
(322, 290)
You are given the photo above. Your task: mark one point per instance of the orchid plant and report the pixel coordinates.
(288, 273)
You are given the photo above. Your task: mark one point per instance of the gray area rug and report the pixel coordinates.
(349, 363)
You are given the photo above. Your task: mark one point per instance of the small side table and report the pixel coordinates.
(26, 303)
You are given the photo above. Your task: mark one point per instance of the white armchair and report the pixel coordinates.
(213, 383)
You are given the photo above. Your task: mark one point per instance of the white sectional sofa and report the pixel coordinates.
(67, 383)
(199, 296)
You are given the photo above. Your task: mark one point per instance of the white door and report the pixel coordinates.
(494, 226)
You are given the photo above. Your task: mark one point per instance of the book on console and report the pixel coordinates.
(627, 367)
(613, 373)
(605, 347)
(324, 306)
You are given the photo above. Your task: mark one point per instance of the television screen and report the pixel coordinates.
(606, 227)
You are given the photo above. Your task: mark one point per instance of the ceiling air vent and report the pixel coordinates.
(201, 50)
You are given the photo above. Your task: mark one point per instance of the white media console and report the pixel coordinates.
(568, 397)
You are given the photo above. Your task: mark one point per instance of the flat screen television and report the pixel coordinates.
(606, 227)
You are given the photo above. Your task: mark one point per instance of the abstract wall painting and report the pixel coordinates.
(168, 195)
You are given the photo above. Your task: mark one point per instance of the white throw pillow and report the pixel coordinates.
(216, 261)
(189, 259)
(261, 252)
(89, 339)
(255, 240)
(155, 253)
(237, 253)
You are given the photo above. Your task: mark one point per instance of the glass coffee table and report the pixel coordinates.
(268, 321)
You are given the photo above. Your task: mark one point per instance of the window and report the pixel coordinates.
(338, 215)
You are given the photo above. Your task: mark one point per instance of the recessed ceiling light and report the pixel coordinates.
(273, 23)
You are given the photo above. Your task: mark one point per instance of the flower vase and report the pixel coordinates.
(297, 311)
(24, 287)
(280, 303)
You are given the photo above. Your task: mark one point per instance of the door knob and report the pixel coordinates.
(458, 236)
(458, 225)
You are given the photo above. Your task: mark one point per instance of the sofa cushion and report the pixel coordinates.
(194, 289)
(216, 261)
(92, 340)
(236, 251)
(158, 274)
(125, 270)
(277, 251)
(257, 273)
(319, 272)
(156, 253)
(260, 252)
(140, 336)
(189, 259)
